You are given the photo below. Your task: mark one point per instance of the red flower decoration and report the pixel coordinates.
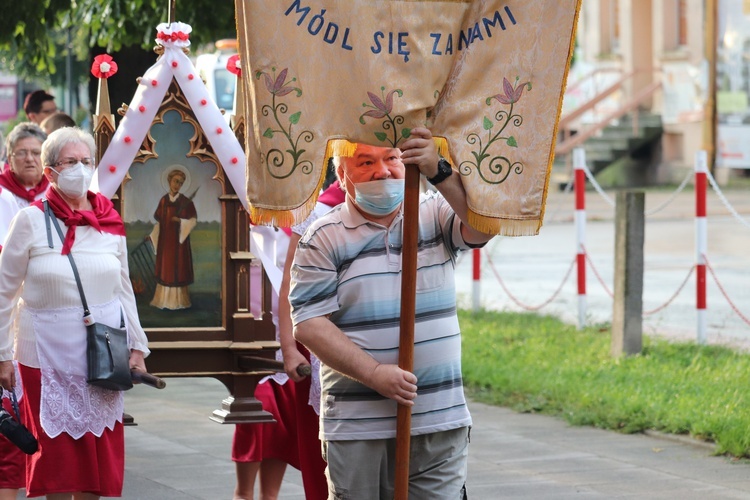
(141, 108)
(112, 168)
(127, 139)
(233, 65)
(174, 37)
(154, 83)
(203, 102)
(219, 130)
(174, 64)
(191, 76)
(104, 66)
(234, 160)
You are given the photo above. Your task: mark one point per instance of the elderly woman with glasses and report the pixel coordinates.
(12, 460)
(25, 178)
(79, 427)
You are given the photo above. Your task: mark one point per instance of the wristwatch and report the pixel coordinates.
(444, 171)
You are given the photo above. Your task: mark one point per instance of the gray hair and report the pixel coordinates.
(62, 137)
(336, 162)
(23, 131)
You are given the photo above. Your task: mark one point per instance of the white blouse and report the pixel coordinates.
(34, 276)
(8, 210)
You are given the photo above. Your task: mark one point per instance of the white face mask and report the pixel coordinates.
(74, 181)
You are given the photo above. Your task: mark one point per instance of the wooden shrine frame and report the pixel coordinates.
(240, 351)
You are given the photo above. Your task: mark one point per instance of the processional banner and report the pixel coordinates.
(486, 77)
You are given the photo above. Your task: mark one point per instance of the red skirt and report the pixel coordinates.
(258, 442)
(293, 439)
(65, 465)
(12, 460)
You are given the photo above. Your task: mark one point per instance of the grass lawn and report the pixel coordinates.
(539, 364)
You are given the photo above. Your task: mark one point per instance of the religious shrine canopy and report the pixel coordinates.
(486, 76)
(153, 86)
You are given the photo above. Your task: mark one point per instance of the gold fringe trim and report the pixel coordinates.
(504, 227)
(442, 146)
(339, 147)
(262, 216)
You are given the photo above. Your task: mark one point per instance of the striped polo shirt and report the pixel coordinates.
(350, 268)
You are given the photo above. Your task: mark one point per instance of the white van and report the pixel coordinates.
(212, 68)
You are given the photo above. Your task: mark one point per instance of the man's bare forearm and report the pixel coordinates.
(335, 349)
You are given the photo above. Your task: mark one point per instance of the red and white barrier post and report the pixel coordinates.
(701, 241)
(475, 279)
(579, 164)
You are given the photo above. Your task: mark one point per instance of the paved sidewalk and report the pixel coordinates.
(175, 452)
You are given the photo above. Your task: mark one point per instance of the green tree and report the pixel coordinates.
(33, 33)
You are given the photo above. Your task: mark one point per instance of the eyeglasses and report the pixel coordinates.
(23, 153)
(70, 162)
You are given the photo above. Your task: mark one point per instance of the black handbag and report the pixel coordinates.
(107, 351)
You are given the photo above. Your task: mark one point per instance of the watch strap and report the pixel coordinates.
(444, 171)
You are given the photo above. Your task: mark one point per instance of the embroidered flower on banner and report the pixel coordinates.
(173, 35)
(381, 108)
(104, 66)
(511, 94)
(233, 65)
(490, 159)
(276, 159)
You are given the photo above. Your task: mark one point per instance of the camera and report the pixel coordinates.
(15, 431)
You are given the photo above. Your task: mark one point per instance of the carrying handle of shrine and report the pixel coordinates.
(406, 337)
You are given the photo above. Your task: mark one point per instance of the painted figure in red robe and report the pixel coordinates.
(175, 219)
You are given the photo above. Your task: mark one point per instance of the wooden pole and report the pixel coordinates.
(406, 338)
(171, 12)
(709, 109)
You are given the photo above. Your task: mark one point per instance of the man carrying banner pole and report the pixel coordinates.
(486, 77)
(346, 302)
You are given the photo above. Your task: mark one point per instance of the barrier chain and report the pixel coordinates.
(661, 207)
(724, 200)
(724, 293)
(702, 175)
(598, 276)
(518, 302)
(673, 196)
(598, 188)
(674, 296)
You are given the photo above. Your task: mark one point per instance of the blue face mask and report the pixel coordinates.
(379, 198)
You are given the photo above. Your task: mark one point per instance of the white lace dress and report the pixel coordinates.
(47, 325)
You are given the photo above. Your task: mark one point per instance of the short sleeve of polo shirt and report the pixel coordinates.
(314, 278)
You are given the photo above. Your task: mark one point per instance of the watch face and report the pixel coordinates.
(444, 171)
(444, 167)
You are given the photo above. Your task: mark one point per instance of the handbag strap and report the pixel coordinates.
(49, 215)
(13, 401)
